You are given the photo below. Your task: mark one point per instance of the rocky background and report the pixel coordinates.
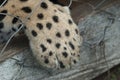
(99, 23)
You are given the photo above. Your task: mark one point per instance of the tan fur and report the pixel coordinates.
(42, 35)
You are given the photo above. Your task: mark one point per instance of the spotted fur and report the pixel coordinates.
(53, 36)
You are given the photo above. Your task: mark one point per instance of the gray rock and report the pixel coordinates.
(100, 52)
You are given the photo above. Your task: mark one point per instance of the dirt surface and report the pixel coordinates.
(112, 74)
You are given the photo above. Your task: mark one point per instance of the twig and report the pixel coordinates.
(3, 3)
(70, 3)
